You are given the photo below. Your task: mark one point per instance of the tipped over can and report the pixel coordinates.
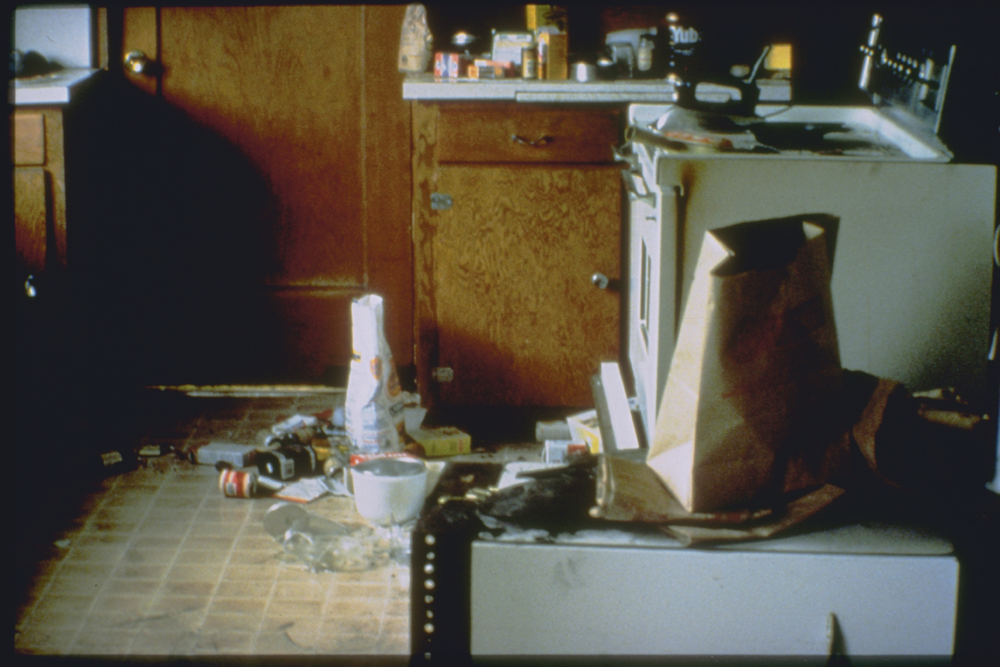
(237, 483)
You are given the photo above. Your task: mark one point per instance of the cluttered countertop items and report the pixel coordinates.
(901, 122)
(651, 64)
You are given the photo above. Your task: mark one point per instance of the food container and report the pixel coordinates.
(584, 72)
(237, 483)
(239, 456)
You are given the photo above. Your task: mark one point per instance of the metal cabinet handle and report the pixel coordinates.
(31, 287)
(537, 143)
(138, 62)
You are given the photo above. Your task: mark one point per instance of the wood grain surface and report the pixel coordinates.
(306, 99)
(29, 138)
(503, 293)
(526, 133)
(30, 220)
(285, 85)
(518, 320)
(38, 153)
(425, 342)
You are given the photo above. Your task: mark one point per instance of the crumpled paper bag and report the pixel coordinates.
(632, 491)
(746, 413)
(415, 40)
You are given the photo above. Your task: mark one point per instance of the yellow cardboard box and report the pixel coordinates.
(442, 441)
(585, 427)
(554, 55)
(538, 16)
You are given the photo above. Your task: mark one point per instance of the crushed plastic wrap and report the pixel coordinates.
(327, 546)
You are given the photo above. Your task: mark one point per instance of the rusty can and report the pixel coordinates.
(237, 483)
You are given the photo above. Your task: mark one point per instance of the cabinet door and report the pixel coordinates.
(39, 195)
(519, 321)
(280, 155)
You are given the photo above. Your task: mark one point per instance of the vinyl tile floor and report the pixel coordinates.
(157, 562)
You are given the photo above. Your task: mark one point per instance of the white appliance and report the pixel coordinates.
(913, 264)
(912, 274)
(882, 589)
(861, 590)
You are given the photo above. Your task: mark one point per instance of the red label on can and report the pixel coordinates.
(237, 484)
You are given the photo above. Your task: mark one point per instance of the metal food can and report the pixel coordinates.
(529, 61)
(238, 483)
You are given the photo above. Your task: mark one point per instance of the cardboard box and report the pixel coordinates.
(442, 441)
(585, 427)
(553, 55)
(540, 16)
(489, 69)
(559, 451)
(507, 46)
(239, 456)
(447, 65)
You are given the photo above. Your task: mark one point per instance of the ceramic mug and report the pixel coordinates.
(389, 491)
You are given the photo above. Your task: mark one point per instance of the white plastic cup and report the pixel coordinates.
(389, 491)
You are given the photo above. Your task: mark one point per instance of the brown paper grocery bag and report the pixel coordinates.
(747, 414)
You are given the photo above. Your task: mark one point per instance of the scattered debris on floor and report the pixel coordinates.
(328, 546)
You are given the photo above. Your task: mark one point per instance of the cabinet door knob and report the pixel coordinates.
(601, 281)
(30, 287)
(138, 62)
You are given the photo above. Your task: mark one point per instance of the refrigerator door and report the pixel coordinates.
(912, 271)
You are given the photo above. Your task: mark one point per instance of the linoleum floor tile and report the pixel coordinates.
(158, 563)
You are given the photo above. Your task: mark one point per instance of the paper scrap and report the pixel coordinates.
(304, 491)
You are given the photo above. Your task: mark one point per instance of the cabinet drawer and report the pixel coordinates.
(520, 133)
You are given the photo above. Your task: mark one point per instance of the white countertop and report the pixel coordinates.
(55, 88)
(427, 87)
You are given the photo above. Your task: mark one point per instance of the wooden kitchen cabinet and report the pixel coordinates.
(516, 207)
(39, 197)
(42, 283)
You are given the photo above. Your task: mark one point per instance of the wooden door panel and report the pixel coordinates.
(284, 84)
(518, 320)
(30, 221)
(304, 104)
